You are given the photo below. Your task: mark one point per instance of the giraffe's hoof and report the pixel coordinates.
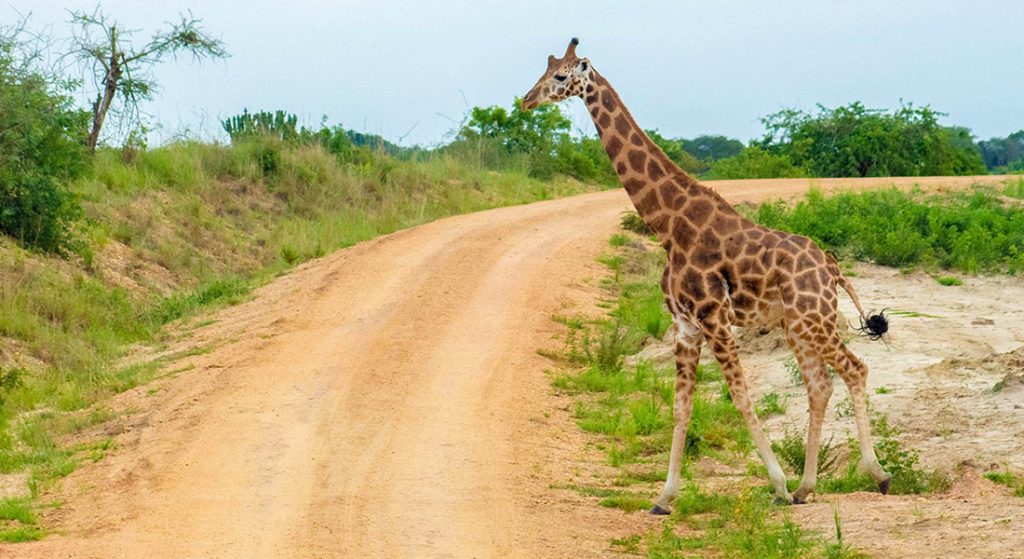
(782, 501)
(883, 486)
(798, 500)
(657, 510)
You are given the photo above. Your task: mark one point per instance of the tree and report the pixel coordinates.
(121, 70)
(1005, 152)
(712, 148)
(854, 141)
(40, 151)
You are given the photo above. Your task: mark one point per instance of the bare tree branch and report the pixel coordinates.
(121, 72)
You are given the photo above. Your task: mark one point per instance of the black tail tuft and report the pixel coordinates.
(875, 326)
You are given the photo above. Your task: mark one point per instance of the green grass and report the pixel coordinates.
(770, 404)
(970, 232)
(948, 281)
(1009, 479)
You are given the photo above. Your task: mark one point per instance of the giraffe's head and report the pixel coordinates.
(565, 77)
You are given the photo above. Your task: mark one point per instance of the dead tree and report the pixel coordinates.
(122, 72)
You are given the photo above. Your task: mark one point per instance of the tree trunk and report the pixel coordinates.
(102, 105)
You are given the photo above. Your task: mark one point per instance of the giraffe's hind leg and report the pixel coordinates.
(855, 374)
(723, 345)
(819, 390)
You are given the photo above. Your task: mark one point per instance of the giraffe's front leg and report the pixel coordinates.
(687, 350)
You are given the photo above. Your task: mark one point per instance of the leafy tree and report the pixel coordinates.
(40, 150)
(122, 71)
(854, 141)
(536, 131)
(755, 162)
(712, 148)
(1007, 152)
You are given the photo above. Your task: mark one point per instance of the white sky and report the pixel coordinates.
(685, 68)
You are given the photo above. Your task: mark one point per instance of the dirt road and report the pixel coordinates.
(384, 401)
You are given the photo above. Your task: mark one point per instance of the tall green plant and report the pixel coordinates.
(278, 124)
(40, 150)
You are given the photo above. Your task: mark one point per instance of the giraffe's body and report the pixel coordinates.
(723, 270)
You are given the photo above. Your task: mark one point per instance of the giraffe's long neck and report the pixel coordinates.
(655, 184)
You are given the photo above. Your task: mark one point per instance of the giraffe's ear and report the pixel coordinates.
(583, 65)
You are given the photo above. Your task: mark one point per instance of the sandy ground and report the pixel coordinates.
(388, 401)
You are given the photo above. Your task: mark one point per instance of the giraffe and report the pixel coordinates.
(723, 270)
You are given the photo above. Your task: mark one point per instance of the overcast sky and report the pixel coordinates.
(412, 69)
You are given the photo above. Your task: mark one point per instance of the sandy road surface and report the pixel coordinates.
(383, 401)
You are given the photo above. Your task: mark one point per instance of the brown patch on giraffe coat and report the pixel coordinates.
(784, 261)
(698, 212)
(671, 195)
(682, 231)
(723, 224)
(750, 266)
(751, 284)
(634, 186)
(637, 158)
(706, 258)
(636, 140)
(716, 287)
(709, 240)
(807, 281)
(804, 262)
(804, 303)
(648, 203)
(677, 257)
(608, 100)
(594, 111)
(621, 125)
(620, 168)
(659, 222)
(693, 284)
(604, 120)
(654, 171)
(614, 147)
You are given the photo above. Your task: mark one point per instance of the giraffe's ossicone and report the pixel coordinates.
(722, 271)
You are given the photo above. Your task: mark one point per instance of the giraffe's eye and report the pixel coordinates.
(560, 77)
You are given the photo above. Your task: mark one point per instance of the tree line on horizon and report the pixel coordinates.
(46, 140)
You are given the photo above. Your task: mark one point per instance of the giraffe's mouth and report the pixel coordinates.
(530, 101)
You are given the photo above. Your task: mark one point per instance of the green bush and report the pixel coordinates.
(755, 163)
(40, 150)
(972, 232)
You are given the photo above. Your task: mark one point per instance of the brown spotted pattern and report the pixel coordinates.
(722, 271)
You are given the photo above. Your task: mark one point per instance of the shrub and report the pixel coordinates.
(40, 150)
(754, 163)
(969, 232)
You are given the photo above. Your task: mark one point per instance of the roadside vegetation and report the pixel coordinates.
(974, 231)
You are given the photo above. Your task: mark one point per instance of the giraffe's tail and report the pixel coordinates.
(873, 325)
